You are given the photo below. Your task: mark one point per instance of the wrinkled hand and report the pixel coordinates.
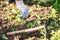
(23, 9)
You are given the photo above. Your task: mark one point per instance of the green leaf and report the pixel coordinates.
(30, 25)
(4, 37)
(17, 12)
(56, 36)
(12, 29)
(49, 27)
(37, 22)
(53, 13)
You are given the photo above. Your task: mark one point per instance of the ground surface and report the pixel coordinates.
(10, 21)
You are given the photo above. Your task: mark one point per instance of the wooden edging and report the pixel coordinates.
(26, 30)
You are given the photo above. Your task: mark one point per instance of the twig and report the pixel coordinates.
(30, 19)
(45, 33)
(26, 30)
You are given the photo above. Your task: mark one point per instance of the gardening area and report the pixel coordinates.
(43, 22)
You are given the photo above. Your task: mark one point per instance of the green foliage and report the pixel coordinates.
(56, 36)
(52, 24)
(52, 21)
(33, 23)
(56, 5)
(17, 12)
(53, 13)
(3, 37)
(37, 22)
(30, 25)
(40, 2)
(12, 29)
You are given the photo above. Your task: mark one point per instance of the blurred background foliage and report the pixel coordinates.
(55, 3)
